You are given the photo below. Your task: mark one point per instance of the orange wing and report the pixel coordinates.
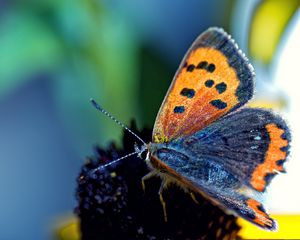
(214, 78)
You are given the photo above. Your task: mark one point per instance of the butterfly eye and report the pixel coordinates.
(143, 154)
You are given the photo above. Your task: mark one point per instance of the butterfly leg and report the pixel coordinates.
(146, 177)
(193, 197)
(163, 203)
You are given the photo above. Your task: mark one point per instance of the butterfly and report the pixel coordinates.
(207, 142)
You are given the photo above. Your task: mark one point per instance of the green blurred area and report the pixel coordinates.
(88, 51)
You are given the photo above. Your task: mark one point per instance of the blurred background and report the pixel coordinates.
(56, 54)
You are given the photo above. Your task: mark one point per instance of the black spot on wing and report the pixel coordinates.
(211, 67)
(190, 68)
(221, 87)
(208, 67)
(209, 83)
(202, 65)
(179, 109)
(188, 92)
(218, 103)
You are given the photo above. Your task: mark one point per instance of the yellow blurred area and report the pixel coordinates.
(69, 230)
(278, 104)
(288, 228)
(269, 22)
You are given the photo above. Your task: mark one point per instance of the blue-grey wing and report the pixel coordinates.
(248, 147)
(232, 159)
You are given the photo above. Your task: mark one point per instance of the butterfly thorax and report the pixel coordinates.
(157, 163)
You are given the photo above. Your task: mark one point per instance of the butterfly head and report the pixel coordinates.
(142, 151)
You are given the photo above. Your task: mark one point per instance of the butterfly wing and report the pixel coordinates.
(253, 144)
(213, 79)
(244, 206)
(232, 160)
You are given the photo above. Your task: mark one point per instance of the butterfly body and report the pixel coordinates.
(205, 142)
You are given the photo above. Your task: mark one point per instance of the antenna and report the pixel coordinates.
(102, 110)
(112, 162)
(137, 151)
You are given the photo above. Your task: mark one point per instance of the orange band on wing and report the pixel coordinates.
(273, 154)
(261, 217)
